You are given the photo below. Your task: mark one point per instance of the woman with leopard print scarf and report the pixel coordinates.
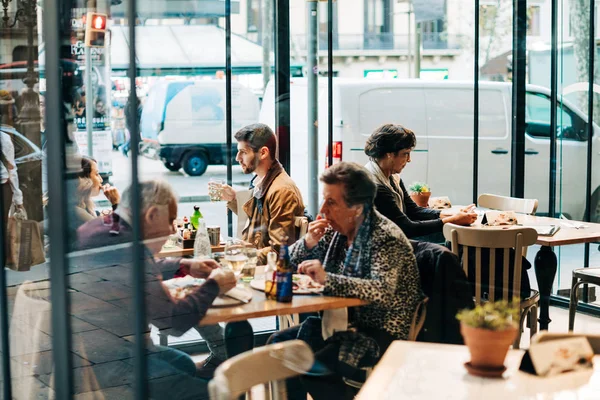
(354, 252)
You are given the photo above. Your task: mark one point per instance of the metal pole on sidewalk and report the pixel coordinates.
(267, 38)
(417, 50)
(228, 105)
(89, 101)
(409, 39)
(312, 61)
(281, 24)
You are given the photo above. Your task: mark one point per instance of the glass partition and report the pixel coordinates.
(573, 135)
(95, 103)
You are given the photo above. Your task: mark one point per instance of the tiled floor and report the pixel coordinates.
(560, 323)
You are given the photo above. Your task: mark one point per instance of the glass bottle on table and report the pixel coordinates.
(284, 274)
(196, 217)
(271, 276)
(202, 247)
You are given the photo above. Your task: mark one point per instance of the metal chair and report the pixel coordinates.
(492, 239)
(241, 197)
(268, 365)
(581, 276)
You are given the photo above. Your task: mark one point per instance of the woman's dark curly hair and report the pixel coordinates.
(86, 166)
(389, 138)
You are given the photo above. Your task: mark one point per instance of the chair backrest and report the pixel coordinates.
(418, 320)
(302, 224)
(491, 238)
(504, 203)
(29, 329)
(272, 363)
(241, 196)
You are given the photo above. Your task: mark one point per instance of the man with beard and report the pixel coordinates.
(276, 200)
(275, 203)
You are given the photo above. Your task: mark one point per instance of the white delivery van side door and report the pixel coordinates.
(571, 156)
(395, 105)
(494, 141)
(450, 123)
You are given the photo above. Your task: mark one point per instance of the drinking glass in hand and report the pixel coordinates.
(215, 189)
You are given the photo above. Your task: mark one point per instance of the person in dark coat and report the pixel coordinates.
(444, 282)
(389, 148)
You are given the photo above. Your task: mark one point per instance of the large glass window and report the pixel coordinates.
(71, 116)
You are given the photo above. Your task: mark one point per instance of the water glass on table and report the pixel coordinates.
(250, 267)
(235, 256)
(214, 234)
(215, 189)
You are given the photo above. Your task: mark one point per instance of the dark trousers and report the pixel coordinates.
(172, 376)
(330, 386)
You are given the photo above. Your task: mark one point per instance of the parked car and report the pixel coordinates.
(441, 115)
(28, 158)
(183, 122)
(25, 150)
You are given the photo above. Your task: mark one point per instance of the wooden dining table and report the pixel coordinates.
(260, 307)
(545, 264)
(412, 370)
(176, 251)
(239, 335)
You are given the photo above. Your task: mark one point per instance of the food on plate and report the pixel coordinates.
(181, 292)
(439, 203)
(181, 287)
(304, 282)
(504, 218)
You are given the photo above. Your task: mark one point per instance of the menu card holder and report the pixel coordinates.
(557, 356)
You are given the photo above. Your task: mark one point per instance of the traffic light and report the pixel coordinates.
(95, 29)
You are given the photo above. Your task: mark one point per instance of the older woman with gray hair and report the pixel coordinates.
(354, 252)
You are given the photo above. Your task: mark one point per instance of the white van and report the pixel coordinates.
(183, 122)
(441, 115)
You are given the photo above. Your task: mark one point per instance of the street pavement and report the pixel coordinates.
(187, 187)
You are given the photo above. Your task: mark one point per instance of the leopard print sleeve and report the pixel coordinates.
(381, 285)
(299, 252)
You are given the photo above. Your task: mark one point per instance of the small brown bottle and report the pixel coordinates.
(271, 276)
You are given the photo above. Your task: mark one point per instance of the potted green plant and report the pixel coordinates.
(420, 193)
(489, 329)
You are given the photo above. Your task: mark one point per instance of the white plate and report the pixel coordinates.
(179, 286)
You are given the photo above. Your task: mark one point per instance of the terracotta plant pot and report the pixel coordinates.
(421, 198)
(488, 348)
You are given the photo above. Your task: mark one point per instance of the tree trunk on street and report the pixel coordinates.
(579, 14)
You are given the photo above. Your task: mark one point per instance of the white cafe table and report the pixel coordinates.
(428, 371)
